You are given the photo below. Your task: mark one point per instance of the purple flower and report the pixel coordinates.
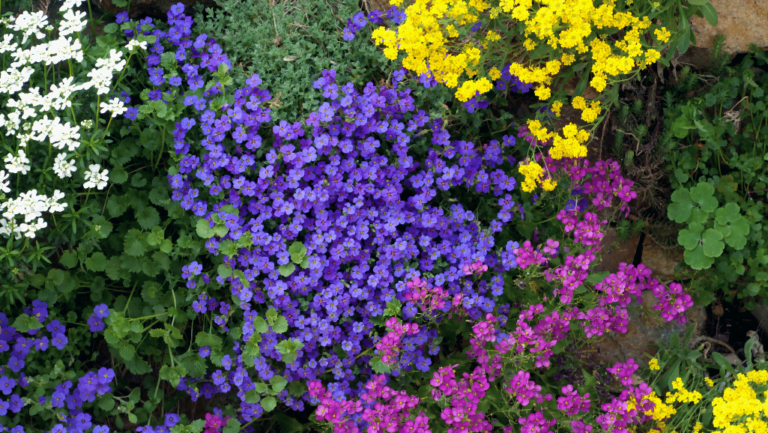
(6, 385)
(101, 311)
(121, 17)
(59, 341)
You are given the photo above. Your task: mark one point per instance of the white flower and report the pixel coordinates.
(6, 44)
(30, 24)
(95, 179)
(115, 106)
(53, 202)
(4, 182)
(17, 164)
(134, 43)
(69, 4)
(62, 167)
(73, 22)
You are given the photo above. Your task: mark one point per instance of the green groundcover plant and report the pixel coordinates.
(717, 157)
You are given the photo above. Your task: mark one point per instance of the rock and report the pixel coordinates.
(644, 331)
(662, 261)
(741, 21)
(153, 8)
(616, 251)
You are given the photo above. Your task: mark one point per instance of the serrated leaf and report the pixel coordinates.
(68, 259)
(127, 352)
(134, 243)
(286, 270)
(260, 325)
(252, 396)
(118, 175)
(269, 404)
(205, 339)
(204, 230)
(278, 383)
(281, 325)
(96, 262)
(224, 271)
(148, 218)
(378, 366)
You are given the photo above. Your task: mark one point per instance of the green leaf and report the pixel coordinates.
(252, 396)
(205, 339)
(260, 325)
(753, 289)
(148, 218)
(224, 271)
(68, 259)
(203, 229)
(278, 383)
(269, 404)
(702, 194)
(697, 259)
(118, 175)
(96, 262)
(394, 307)
(110, 28)
(127, 352)
(134, 243)
(24, 323)
(286, 270)
(106, 403)
(281, 325)
(710, 14)
(680, 208)
(712, 243)
(690, 238)
(379, 366)
(233, 426)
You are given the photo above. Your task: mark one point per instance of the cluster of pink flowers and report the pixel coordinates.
(465, 394)
(527, 256)
(586, 231)
(428, 299)
(476, 268)
(386, 410)
(571, 402)
(602, 181)
(214, 422)
(390, 344)
(524, 389)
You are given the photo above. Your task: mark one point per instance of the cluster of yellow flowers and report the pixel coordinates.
(431, 41)
(742, 409)
(682, 395)
(534, 173)
(589, 112)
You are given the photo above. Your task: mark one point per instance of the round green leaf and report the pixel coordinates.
(697, 259)
(712, 241)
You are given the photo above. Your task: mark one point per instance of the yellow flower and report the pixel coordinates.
(709, 382)
(533, 173)
(556, 107)
(548, 185)
(662, 34)
(653, 364)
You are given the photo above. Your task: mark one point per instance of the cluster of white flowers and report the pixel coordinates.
(95, 179)
(115, 106)
(31, 206)
(29, 114)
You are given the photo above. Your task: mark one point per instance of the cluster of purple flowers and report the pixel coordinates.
(96, 320)
(66, 399)
(345, 185)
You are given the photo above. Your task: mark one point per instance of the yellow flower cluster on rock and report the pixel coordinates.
(742, 409)
(432, 39)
